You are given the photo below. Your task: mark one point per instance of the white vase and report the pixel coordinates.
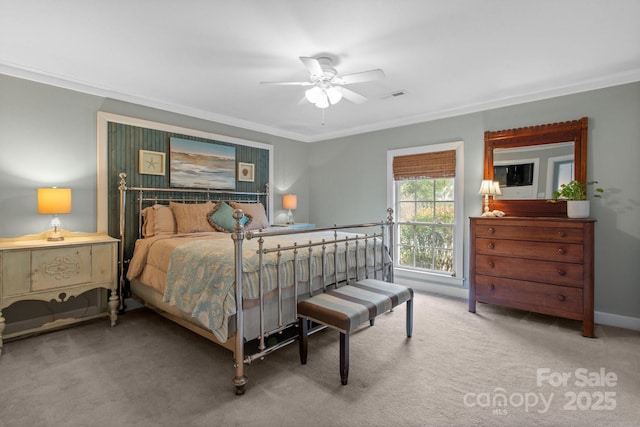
(578, 208)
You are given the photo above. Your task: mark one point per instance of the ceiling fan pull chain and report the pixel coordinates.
(322, 109)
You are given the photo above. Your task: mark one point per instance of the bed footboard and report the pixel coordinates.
(380, 268)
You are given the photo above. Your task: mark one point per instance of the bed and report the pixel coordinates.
(210, 261)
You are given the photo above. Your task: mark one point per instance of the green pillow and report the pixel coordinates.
(222, 218)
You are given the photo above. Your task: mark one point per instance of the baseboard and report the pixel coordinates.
(601, 318)
(617, 320)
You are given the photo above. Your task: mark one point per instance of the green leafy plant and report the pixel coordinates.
(575, 190)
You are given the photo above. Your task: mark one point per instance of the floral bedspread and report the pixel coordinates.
(201, 274)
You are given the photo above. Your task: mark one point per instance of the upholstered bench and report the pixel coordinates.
(347, 307)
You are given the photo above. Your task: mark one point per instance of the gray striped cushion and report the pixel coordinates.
(348, 307)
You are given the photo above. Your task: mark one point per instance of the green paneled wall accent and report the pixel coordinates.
(124, 143)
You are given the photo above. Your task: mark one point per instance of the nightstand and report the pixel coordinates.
(296, 226)
(32, 268)
(301, 225)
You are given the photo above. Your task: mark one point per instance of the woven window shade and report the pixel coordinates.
(441, 164)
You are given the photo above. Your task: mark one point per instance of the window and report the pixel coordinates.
(425, 193)
(425, 216)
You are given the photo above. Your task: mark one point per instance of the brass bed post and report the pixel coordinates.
(240, 379)
(122, 187)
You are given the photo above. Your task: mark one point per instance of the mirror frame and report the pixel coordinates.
(575, 131)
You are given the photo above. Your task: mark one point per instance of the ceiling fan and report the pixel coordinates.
(328, 86)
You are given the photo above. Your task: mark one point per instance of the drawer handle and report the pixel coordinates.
(561, 251)
(491, 230)
(491, 264)
(490, 246)
(492, 287)
(561, 298)
(561, 272)
(561, 234)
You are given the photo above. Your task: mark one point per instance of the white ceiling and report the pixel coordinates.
(206, 58)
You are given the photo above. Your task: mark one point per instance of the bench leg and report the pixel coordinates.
(302, 339)
(409, 318)
(344, 358)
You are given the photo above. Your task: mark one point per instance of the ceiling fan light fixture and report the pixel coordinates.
(323, 99)
(327, 85)
(334, 94)
(313, 94)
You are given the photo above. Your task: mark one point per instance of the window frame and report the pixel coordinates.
(457, 278)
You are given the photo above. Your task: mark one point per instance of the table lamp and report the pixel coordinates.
(489, 188)
(54, 201)
(289, 201)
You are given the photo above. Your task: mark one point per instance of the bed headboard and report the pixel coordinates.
(134, 199)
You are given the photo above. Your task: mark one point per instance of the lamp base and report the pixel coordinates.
(289, 217)
(55, 234)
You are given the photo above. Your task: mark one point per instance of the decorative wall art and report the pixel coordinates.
(151, 162)
(202, 165)
(246, 172)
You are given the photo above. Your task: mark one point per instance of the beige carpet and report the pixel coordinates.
(459, 369)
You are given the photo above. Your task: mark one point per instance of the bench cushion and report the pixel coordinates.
(349, 306)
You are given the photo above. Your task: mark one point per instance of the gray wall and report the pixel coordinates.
(355, 186)
(48, 137)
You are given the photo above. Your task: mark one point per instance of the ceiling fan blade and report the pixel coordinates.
(352, 96)
(364, 76)
(313, 65)
(287, 83)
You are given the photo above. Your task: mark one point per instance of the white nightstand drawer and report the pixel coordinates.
(55, 268)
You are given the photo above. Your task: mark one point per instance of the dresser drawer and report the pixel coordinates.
(542, 298)
(562, 252)
(533, 270)
(544, 234)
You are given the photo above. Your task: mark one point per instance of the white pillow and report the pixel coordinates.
(257, 213)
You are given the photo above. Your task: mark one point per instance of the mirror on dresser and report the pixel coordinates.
(530, 161)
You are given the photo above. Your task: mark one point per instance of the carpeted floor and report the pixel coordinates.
(499, 367)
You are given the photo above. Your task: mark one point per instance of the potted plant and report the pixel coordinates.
(575, 193)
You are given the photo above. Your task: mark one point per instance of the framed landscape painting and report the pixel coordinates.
(195, 164)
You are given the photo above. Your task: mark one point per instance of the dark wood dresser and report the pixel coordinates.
(543, 265)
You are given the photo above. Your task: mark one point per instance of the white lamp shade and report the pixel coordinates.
(54, 200)
(323, 100)
(496, 188)
(313, 94)
(334, 94)
(289, 201)
(486, 187)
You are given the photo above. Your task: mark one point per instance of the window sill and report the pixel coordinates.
(431, 282)
(431, 277)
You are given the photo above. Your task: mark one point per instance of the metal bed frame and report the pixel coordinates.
(383, 270)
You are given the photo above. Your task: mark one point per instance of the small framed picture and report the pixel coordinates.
(151, 162)
(245, 172)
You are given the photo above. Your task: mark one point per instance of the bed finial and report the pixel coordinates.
(123, 181)
(237, 215)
